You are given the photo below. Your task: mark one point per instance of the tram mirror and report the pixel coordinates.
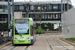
(11, 27)
(33, 26)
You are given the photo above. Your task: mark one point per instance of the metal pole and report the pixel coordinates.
(64, 5)
(67, 6)
(8, 14)
(61, 10)
(61, 6)
(9, 19)
(28, 11)
(13, 8)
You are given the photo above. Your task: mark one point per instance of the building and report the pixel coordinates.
(47, 11)
(68, 24)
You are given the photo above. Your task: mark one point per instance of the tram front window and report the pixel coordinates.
(21, 26)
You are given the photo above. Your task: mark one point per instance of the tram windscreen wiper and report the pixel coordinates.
(20, 34)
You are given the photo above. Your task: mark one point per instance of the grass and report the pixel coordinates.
(71, 39)
(5, 36)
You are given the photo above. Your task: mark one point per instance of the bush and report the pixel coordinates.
(3, 26)
(40, 31)
(45, 26)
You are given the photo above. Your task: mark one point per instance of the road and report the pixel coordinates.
(48, 42)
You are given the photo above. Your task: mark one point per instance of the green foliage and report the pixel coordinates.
(40, 31)
(3, 26)
(71, 39)
(59, 29)
(5, 36)
(45, 26)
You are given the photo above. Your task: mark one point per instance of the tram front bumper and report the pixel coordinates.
(22, 41)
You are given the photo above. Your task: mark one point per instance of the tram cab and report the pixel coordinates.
(23, 31)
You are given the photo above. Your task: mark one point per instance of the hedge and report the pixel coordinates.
(40, 31)
(45, 26)
(3, 26)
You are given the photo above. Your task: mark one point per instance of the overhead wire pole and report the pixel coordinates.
(61, 6)
(64, 5)
(13, 8)
(9, 19)
(67, 6)
(28, 11)
(61, 12)
(8, 14)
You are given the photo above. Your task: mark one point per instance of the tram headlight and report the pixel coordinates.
(15, 38)
(27, 38)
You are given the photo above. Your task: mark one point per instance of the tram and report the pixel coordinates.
(23, 31)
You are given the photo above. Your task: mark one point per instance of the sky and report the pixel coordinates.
(73, 2)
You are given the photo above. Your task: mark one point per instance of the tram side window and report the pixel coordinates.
(12, 30)
(31, 30)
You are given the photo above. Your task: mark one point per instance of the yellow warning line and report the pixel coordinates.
(64, 42)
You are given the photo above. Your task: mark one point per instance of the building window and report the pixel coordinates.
(3, 18)
(39, 7)
(55, 7)
(16, 7)
(1, 9)
(42, 7)
(59, 7)
(59, 15)
(21, 7)
(45, 16)
(45, 7)
(42, 16)
(31, 7)
(50, 16)
(23, 15)
(32, 16)
(55, 16)
(6, 8)
(49, 7)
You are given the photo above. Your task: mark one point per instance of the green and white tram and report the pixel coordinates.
(24, 30)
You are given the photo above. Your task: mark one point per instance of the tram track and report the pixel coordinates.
(26, 47)
(61, 44)
(4, 45)
(15, 47)
(12, 48)
(49, 45)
